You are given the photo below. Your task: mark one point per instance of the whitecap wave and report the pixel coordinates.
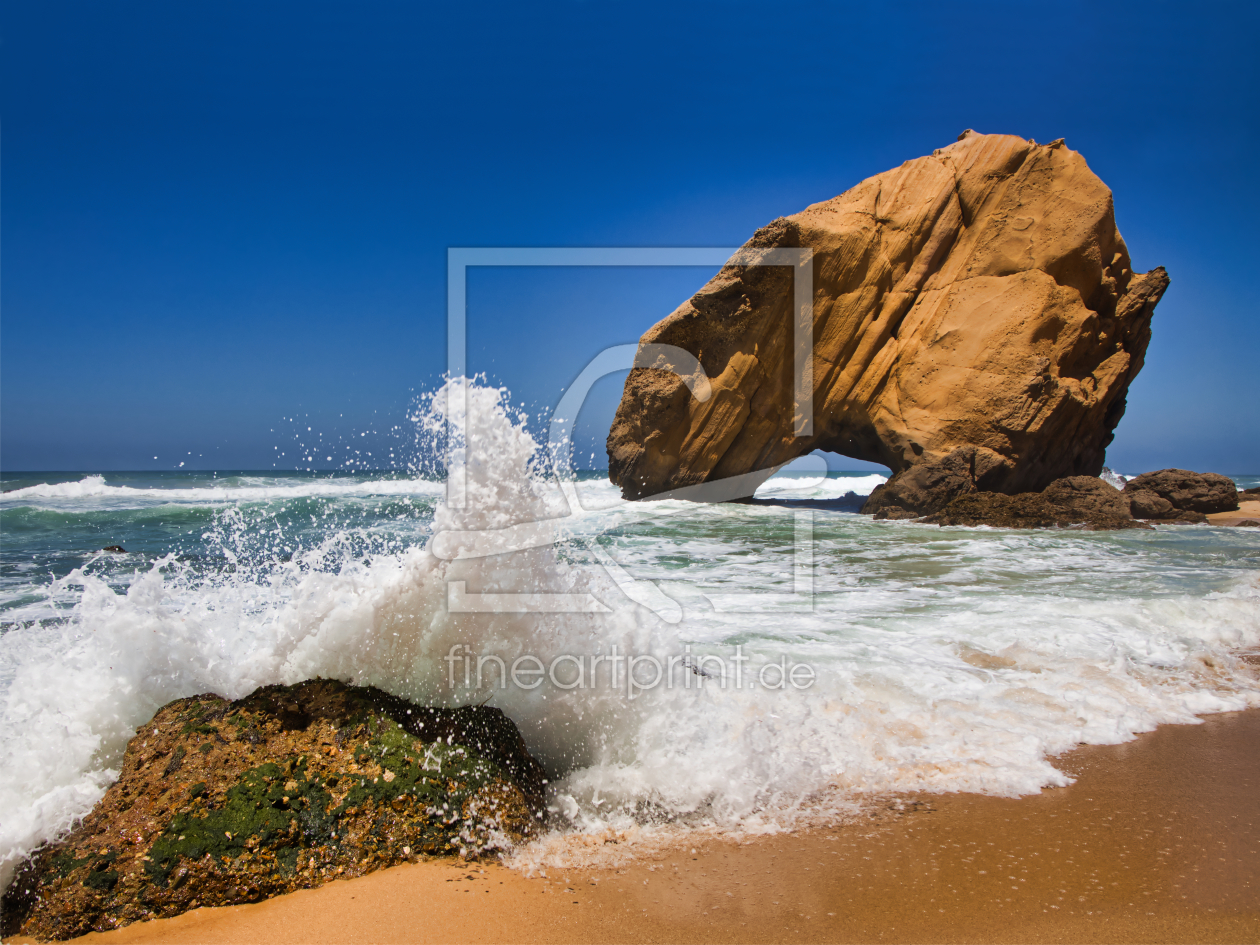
(95, 487)
(943, 660)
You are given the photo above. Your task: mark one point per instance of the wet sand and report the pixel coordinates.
(1157, 841)
(1248, 510)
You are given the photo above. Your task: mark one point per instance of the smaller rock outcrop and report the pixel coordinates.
(1090, 496)
(1180, 495)
(1084, 502)
(1155, 508)
(227, 802)
(929, 486)
(1025, 510)
(952, 491)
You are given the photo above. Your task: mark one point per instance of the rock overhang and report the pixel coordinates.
(980, 296)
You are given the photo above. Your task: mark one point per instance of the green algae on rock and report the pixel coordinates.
(293, 786)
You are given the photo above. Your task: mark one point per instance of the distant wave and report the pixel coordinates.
(95, 487)
(815, 488)
(254, 490)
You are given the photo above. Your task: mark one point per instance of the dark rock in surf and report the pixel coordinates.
(115, 549)
(851, 501)
(929, 486)
(1088, 496)
(1085, 502)
(1027, 510)
(291, 787)
(1155, 508)
(894, 513)
(1184, 491)
(1149, 505)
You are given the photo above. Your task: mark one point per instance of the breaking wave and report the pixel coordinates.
(941, 659)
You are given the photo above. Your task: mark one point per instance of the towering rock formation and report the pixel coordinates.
(979, 298)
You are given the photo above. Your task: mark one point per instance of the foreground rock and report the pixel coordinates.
(977, 298)
(227, 802)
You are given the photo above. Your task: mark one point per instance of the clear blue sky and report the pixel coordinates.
(219, 215)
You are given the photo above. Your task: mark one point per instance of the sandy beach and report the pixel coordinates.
(1156, 841)
(1248, 510)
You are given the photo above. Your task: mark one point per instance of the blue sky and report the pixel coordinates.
(224, 221)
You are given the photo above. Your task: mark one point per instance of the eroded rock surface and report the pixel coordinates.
(226, 802)
(979, 297)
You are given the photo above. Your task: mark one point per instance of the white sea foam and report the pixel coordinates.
(255, 490)
(789, 487)
(946, 659)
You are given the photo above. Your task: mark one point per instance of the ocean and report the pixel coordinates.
(675, 666)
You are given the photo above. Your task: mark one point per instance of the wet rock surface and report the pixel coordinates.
(227, 802)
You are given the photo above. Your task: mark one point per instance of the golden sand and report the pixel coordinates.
(1249, 509)
(1157, 841)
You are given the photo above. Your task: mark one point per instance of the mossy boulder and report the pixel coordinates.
(293, 786)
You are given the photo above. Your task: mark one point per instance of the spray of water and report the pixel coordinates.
(974, 696)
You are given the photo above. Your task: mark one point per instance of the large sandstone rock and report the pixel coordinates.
(1180, 490)
(228, 802)
(979, 297)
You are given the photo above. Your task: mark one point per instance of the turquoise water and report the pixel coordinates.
(53, 523)
(940, 659)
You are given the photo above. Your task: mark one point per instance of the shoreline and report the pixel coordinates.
(1248, 510)
(1157, 840)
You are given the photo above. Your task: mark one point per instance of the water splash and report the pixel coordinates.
(946, 659)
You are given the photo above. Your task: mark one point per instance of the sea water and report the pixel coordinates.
(808, 656)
